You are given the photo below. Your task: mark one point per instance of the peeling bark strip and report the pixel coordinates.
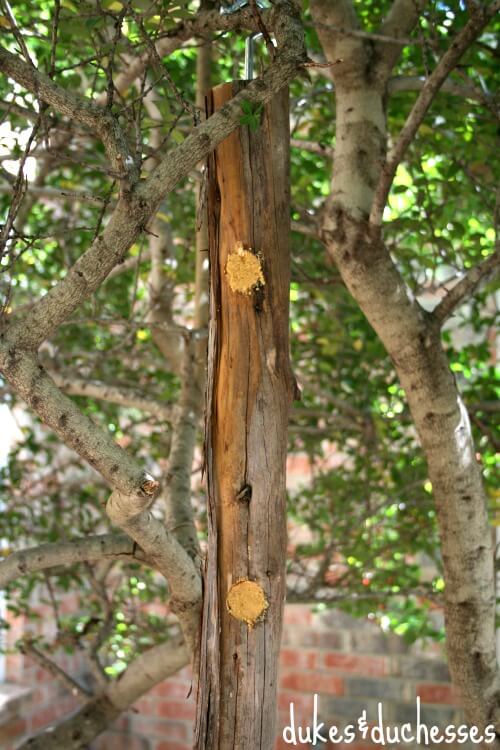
(248, 399)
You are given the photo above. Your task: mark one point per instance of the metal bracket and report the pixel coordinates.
(249, 42)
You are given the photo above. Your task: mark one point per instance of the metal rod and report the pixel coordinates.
(249, 55)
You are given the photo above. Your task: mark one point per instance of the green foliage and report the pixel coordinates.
(363, 528)
(251, 114)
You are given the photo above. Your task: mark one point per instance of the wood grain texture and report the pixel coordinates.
(250, 387)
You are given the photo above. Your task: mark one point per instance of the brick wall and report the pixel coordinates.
(350, 664)
(32, 698)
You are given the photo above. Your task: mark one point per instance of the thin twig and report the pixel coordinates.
(54, 669)
(262, 28)
(466, 286)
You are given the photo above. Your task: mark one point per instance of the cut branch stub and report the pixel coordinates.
(249, 390)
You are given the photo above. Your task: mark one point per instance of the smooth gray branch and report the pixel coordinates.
(46, 556)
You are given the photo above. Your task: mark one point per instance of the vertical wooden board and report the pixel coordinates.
(248, 398)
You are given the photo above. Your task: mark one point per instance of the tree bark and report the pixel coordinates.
(248, 398)
(412, 338)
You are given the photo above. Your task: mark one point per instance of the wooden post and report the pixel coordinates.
(249, 391)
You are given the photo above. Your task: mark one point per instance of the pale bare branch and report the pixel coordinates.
(131, 263)
(370, 36)
(309, 229)
(46, 556)
(167, 336)
(400, 22)
(128, 397)
(180, 517)
(417, 83)
(313, 147)
(147, 669)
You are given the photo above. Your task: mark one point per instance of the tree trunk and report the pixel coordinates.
(248, 397)
(412, 338)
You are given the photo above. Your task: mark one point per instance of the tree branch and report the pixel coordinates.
(50, 666)
(45, 556)
(309, 229)
(75, 107)
(131, 263)
(180, 517)
(133, 490)
(313, 147)
(136, 208)
(77, 730)
(146, 671)
(459, 45)
(466, 286)
(166, 335)
(417, 83)
(200, 25)
(55, 194)
(122, 396)
(399, 23)
(36, 387)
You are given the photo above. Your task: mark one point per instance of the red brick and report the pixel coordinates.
(435, 693)
(297, 615)
(144, 705)
(39, 719)
(159, 729)
(185, 674)
(282, 745)
(121, 724)
(172, 746)
(298, 658)
(13, 664)
(115, 740)
(313, 682)
(13, 730)
(42, 675)
(373, 666)
(175, 709)
(299, 700)
(172, 689)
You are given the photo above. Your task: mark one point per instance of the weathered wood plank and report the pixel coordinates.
(250, 387)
